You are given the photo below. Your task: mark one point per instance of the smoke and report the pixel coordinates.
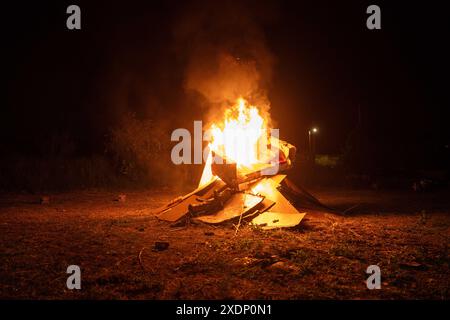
(226, 54)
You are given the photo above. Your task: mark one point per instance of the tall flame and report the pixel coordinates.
(240, 134)
(239, 137)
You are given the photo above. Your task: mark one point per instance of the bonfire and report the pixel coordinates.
(244, 177)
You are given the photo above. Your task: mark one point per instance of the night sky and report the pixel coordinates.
(388, 86)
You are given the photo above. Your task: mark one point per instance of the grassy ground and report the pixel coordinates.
(406, 234)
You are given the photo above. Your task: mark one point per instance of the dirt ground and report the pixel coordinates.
(405, 234)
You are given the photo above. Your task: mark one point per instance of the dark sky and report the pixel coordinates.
(328, 69)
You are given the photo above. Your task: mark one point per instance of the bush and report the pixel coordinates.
(137, 156)
(141, 152)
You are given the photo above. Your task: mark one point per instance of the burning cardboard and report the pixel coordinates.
(242, 196)
(240, 204)
(272, 220)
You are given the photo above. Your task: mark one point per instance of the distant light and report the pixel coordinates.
(314, 130)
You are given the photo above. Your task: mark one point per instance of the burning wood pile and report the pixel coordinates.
(243, 179)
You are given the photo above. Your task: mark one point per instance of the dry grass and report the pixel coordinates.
(325, 258)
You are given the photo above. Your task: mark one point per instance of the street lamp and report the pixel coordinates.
(312, 141)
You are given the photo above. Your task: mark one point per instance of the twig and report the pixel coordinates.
(351, 208)
(355, 233)
(178, 228)
(140, 259)
(240, 217)
(122, 260)
(237, 227)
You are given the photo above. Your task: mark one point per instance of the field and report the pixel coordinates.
(325, 257)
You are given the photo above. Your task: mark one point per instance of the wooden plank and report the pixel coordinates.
(218, 186)
(205, 189)
(178, 211)
(265, 205)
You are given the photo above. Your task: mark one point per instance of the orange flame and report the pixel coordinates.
(240, 134)
(239, 138)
